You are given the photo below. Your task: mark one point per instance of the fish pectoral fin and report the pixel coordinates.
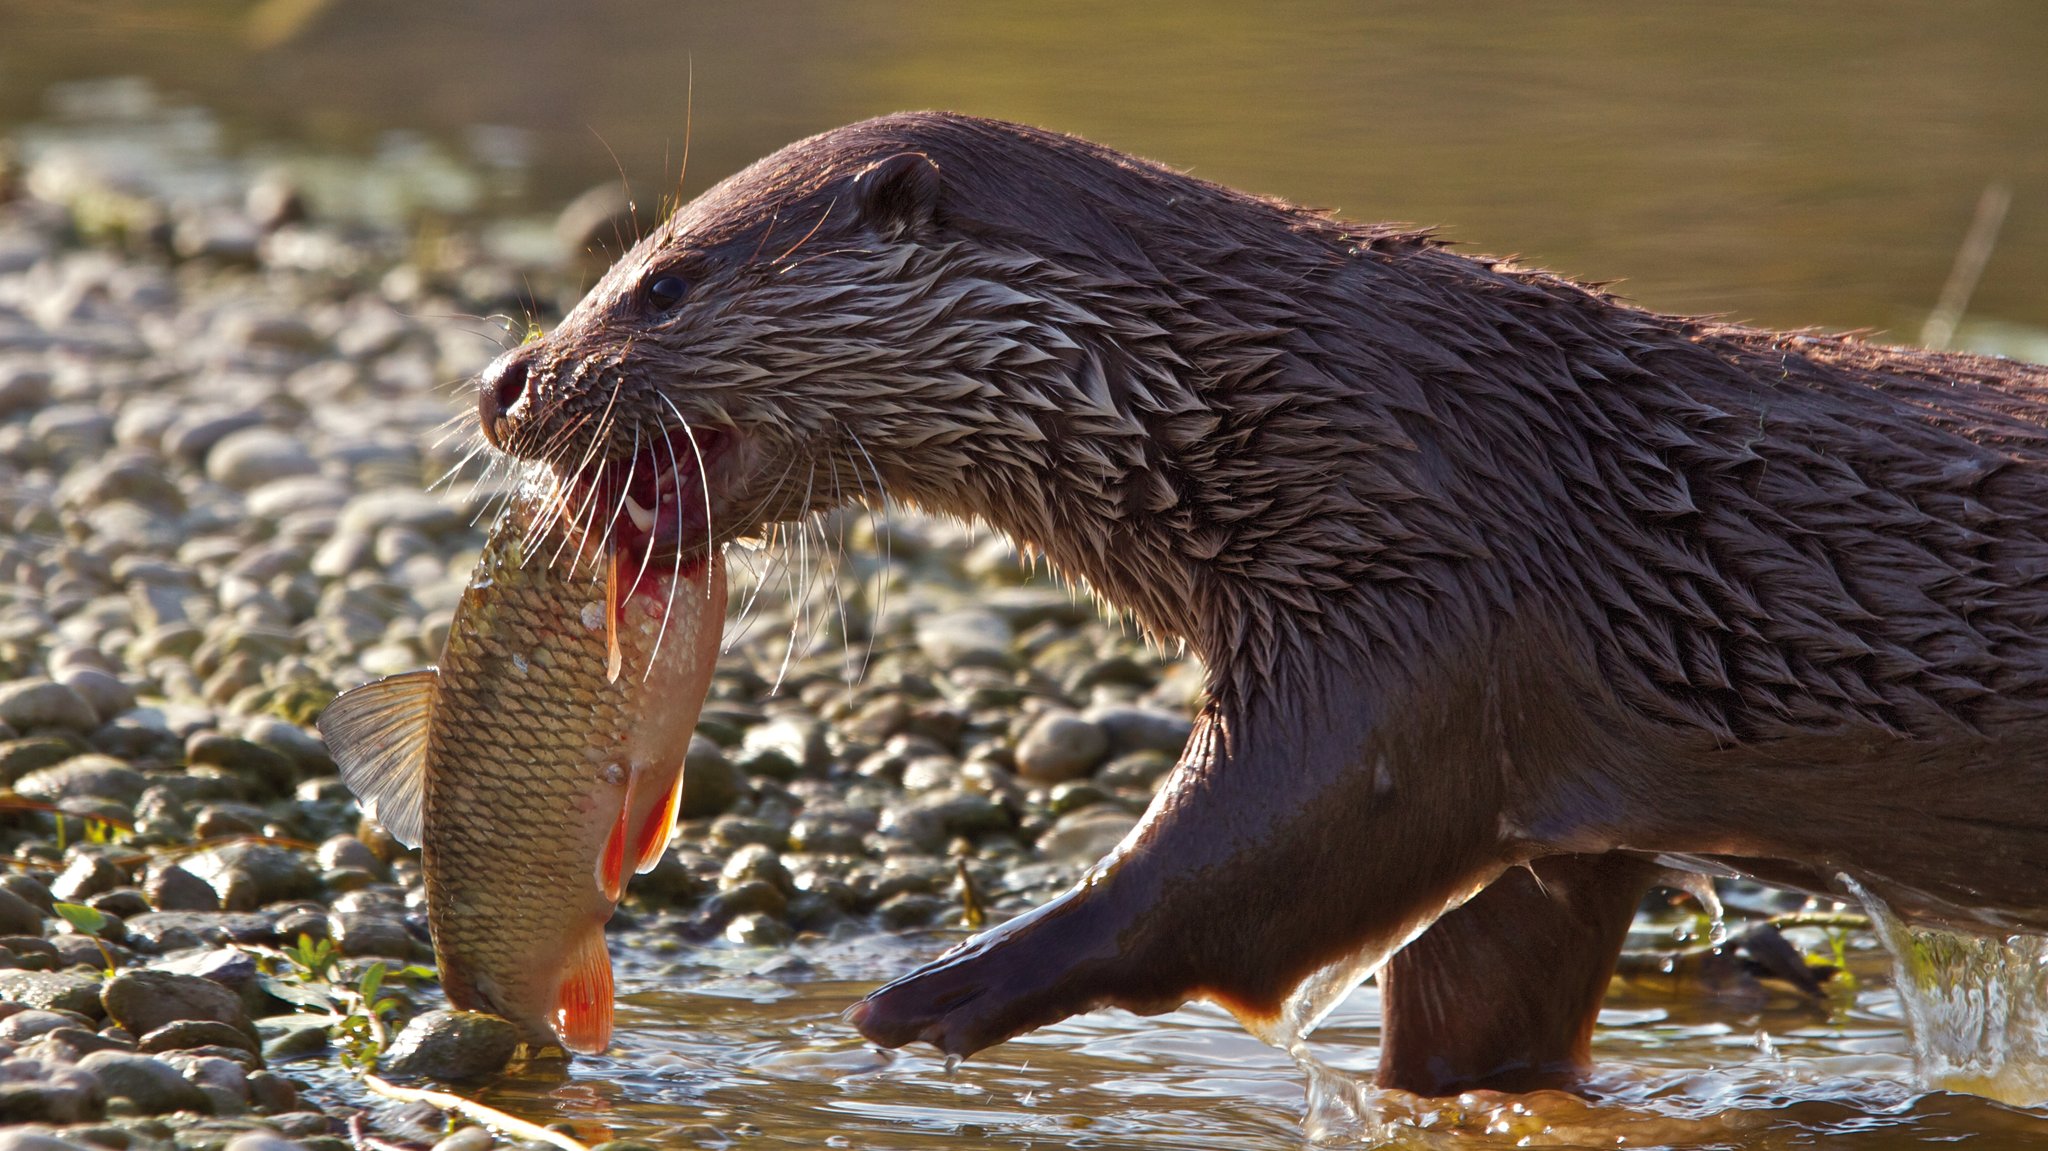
(583, 1000)
(377, 734)
(656, 827)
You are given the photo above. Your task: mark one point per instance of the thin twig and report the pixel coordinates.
(488, 1116)
(1941, 323)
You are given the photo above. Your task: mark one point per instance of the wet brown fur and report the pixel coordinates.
(1487, 566)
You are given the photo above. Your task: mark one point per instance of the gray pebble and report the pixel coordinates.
(185, 1034)
(1086, 835)
(29, 704)
(18, 916)
(711, 784)
(84, 776)
(262, 1141)
(169, 887)
(249, 875)
(1060, 745)
(467, 1139)
(965, 638)
(87, 875)
(53, 990)
(363, 933)
(143, 1000)
(25, 1025)
(105, 693)
(152, 1086)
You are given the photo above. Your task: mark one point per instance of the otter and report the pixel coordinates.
(1511, 595)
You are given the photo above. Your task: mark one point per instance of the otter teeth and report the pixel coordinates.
(642, 518)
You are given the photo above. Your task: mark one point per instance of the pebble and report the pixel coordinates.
(144, 1000)
(1060, 745)
(31, 704)
(254, 456)
(169, 887)
(185, 1034)
(150, 1085)
(18, 916)
(467, 1139)
(967, 638)
(452, 1045)
(53, 991)
(249, 875)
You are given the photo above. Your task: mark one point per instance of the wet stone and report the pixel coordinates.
(1086, 835)
(292, 1036)
(452, 1045)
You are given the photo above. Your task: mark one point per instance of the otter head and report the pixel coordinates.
(977, 318)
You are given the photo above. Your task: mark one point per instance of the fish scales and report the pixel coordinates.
(541, 779)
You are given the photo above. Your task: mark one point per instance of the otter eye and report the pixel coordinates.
(667, 291)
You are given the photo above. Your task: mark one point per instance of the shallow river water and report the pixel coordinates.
(745, 1048)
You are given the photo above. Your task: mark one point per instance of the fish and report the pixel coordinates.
(539, 763)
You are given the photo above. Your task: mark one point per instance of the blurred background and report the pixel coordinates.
(1785, 164)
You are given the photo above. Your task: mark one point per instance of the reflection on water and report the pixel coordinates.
(746, 1048)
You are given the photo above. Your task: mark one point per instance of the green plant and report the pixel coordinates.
(87, 921)
(315, 958)
(361, 1033)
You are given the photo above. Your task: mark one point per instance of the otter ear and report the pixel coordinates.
(898, 192)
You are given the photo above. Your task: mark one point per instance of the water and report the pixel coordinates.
(1976, 1006)
(745, 1048)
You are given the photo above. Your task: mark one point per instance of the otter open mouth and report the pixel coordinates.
(652, 508)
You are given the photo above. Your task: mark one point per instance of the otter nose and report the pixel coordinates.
(500, 388)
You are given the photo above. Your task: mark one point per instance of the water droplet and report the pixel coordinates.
(519, 662)
(593, 615)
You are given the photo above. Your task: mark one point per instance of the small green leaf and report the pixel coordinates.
(373, 979)
(84, 920)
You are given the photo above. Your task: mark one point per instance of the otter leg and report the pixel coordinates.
(1502, 993)
(1284, 843)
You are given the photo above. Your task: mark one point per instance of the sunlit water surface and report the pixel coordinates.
(746, 1048)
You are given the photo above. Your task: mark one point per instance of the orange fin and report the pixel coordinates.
(583, 1000)
(611, 866)
(614, 659)
(655, 828)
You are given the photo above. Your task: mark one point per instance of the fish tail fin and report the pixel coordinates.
(583, 1000)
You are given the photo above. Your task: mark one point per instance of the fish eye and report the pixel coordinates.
(666, 292)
